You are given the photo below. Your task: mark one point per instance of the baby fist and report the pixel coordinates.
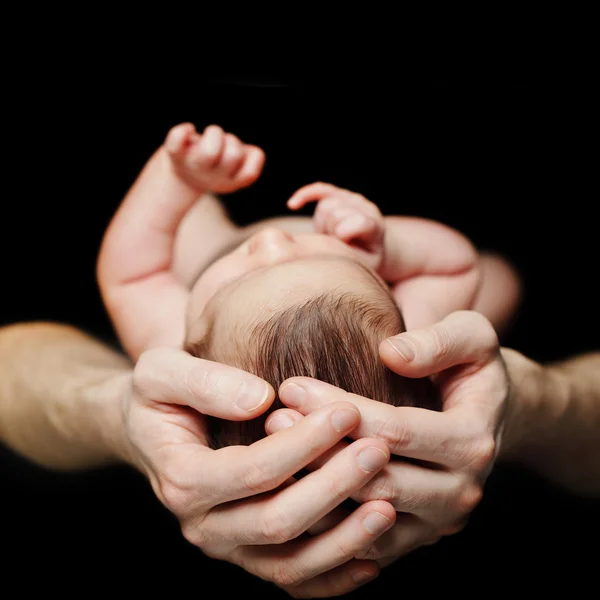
(348, 216)
(214, 160)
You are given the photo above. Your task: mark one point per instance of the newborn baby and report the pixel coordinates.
(285, 297)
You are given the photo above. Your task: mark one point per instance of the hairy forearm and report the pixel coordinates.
(59, 396)
(553, 424)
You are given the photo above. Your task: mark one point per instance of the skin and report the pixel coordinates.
(270, 272)
(144, 274)
(88, 406)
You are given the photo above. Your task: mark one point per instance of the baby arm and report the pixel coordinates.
(432, 269)
(435, 270)
(143, 297)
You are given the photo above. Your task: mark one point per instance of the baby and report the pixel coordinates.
(288, 296)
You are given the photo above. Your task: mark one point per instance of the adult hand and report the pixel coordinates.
(239, 503)
(457, 446)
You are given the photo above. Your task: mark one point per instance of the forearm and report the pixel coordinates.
(143, 297)
(140, 239)
(553, 424)
(433, 270)
(59, 396)
(416, 247)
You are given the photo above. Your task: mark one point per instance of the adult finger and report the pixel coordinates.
(407, 534)
(454, 438)
(166, 375)
(337, 582)
(306, 558)
(289, 512)
(236, 472)
(436, 496)
(463, 337)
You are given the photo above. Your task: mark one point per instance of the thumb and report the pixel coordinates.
(463, 337)
(173, 376)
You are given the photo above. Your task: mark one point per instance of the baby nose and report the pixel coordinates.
(274, 244)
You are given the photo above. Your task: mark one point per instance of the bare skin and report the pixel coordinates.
(88, 407)
(169, 229)
(145, 272)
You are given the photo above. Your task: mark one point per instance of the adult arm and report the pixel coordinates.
(56, 396)
(553, 426)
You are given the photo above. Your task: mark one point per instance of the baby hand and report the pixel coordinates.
(348, 216)
(214, 160)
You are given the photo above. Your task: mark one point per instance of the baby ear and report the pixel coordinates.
(197, 337)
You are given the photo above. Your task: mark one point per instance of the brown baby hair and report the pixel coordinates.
(333, 337)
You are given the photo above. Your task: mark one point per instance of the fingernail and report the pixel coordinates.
(292, 395)
(279, 422)
(344, 419)
(376, 523)
(251, 394)
(403, 347)
(372, 458)
(362, 576)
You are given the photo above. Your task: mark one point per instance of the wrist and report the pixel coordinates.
(538, 398)
(107, 403)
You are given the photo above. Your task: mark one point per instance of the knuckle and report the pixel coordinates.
(144, 373)
(483, 451)
(370, 553)
(174, 496)
(287, 573)
(328, 205)
(416, 502)
(489, 337)
(381, 487)
(276, 528)
(395, 434)
(338, 491)
(258, 478)
(469, 498)
(205, 383)
(442, 341)
(234, 151)
(197, 536)
(205, 158)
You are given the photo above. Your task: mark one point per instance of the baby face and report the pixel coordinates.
(271, 271)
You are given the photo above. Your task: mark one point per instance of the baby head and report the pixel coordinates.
(281, 306)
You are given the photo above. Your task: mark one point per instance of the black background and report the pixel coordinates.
(503, 153)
